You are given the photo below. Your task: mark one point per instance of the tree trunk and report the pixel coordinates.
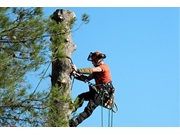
(61, 70)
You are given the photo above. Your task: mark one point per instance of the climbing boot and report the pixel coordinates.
(73, 123)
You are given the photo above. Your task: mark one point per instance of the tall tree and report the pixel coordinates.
(22, 48)
(62, 48)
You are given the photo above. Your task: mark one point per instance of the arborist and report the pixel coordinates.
(103, 83)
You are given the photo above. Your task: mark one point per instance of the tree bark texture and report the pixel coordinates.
(61, 68)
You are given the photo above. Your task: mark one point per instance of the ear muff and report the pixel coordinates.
(101, 55)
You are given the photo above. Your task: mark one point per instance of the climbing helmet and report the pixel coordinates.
(96, 55)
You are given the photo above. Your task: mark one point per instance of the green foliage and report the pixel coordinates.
(85, 18)
(72, 22)
(57, 46)
(21, 48)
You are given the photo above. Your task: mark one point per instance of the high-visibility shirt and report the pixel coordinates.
(104, 76)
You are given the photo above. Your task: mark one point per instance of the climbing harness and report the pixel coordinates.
(107, 99)
(107, 102)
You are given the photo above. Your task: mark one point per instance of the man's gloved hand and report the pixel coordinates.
(74, 70)
(74, 67)
(82, 70)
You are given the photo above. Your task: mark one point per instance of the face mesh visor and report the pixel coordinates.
(90, 57)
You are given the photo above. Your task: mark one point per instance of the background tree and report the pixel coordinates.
(22, 49)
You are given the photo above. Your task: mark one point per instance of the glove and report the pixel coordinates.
(75, 73)
(74, 67)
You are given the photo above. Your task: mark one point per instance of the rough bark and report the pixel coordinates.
(61, 68)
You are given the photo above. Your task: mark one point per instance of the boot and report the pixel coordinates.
(73, 123)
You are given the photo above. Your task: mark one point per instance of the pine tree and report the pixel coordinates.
(22, 49)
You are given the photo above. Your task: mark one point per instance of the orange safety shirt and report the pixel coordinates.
(104, 76)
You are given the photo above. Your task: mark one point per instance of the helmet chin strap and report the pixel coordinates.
(99, 61)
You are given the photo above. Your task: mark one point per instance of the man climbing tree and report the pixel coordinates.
(102, 76)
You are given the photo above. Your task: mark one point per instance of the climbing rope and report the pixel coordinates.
(110, 108)
(102, 110)
(110, 112)
(70, 75)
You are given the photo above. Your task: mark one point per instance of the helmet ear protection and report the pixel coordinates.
(101, 55)
(92, 56)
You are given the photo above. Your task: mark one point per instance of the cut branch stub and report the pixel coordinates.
(61, 68)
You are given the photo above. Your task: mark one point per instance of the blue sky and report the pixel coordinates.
(142, 48)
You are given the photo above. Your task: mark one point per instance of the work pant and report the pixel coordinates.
(94, 100)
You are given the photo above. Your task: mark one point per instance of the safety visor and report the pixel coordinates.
(91, 56)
